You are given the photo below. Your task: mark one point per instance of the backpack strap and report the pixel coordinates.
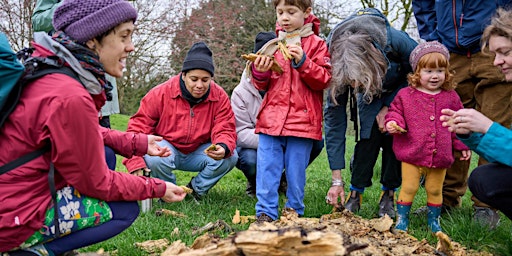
(25, 80)
(24, 159)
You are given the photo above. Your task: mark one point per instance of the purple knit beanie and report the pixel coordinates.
(425, 48)
(84, 20)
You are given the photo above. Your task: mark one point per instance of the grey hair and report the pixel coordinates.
(356, 61)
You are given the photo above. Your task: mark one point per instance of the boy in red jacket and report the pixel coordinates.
(290, 118)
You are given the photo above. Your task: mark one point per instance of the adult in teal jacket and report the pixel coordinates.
(42, 21)
(489, 183)
(458, 24)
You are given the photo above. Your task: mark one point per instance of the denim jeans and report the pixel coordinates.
(209, 170)
(274, 155)
(247, 159)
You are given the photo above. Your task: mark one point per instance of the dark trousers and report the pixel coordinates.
(482, 86)
(123, 215)
(366, 153)
(110, 155)
(491, 184)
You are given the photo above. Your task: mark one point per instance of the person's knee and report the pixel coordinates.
(126, 212)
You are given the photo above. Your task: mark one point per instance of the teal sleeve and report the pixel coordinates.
(43, 15)
(494, 145)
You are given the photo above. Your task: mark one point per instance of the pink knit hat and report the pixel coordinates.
(425, 48)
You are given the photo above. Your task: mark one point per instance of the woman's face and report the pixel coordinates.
(114, 48)
(502, 48)
(197, 82)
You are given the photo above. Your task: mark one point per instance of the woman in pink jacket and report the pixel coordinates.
(93, 203)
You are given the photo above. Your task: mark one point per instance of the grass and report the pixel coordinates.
(228, 195)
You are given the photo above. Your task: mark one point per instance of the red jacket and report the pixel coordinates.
(56, 109)
(164, 112)
(293, 103)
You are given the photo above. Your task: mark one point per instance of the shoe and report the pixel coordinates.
(194, 194)
(283, 185)
(433, 218)
(290, 213)
(263, 218)
(353, 203)
(402, 221)
(486, 217)
(387, 204)
(250, 189)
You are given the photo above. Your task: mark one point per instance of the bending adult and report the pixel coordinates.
(371, 60)
(191, 112)
(489, 183)
(92, 37)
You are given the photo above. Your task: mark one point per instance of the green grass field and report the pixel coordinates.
(229, 195)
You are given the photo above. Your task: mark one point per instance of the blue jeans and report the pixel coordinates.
(209, 170)
(247, 159)
(274, 155)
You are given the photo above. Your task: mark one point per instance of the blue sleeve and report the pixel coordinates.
(494, 146)
(335, 124)
(425, 14)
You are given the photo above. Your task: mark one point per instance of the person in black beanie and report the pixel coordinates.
(192, 113)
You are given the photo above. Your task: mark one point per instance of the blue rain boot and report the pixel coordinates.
(402, 219)
(434, 212)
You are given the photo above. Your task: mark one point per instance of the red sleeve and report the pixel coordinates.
(316, 70)
(127, 144)
(144, 121)
(224, 129)
(79, 156)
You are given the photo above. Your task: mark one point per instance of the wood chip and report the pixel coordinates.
(252, 57)
(186, 189)
(210, 148)
(398, 128)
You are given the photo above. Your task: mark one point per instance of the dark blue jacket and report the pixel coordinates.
(397, 50)
(437, 18)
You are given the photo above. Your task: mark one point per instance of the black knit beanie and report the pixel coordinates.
(261, 39)
(199, 57)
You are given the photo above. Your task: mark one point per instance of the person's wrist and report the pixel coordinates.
(337, 182)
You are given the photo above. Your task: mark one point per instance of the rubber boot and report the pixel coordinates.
(402, 219)
(434, 212)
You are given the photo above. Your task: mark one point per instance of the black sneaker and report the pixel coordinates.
(194, 194)
(387, 204)
(250, 189)
(353, 203)
(486, 217)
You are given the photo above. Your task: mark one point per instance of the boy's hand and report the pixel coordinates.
(296, 52)
(263, 63)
